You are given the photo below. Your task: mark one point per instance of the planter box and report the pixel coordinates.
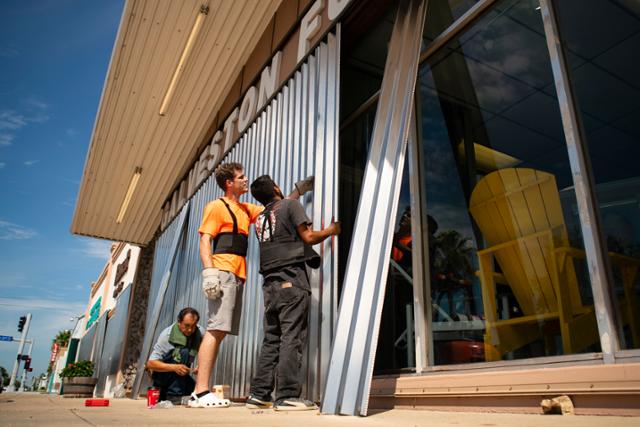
(78, 386)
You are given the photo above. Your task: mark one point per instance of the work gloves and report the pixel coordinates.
(211, 283)
(304, 185)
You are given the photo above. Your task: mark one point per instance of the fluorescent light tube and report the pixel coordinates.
(204, 10)
(127, 197)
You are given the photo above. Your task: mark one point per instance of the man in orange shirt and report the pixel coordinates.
(225, 221)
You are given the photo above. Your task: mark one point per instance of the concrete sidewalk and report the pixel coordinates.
(31, 409)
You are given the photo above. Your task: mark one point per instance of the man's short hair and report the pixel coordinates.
(188, 310)
(263, 189)
(227, 171)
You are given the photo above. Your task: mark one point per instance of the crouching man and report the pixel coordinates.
(173, 354)
(285, 235)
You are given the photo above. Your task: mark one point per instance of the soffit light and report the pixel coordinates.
(127, 197)
(204, 10)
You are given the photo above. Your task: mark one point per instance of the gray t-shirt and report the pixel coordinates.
(286, 216)
(162, 346)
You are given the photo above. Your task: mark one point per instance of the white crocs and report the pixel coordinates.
(209, 400)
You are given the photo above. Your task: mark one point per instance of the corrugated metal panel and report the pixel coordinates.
(295, 136)
(353, 353)
(85, 349)
(98, 342)
(113, 343)
(164, 282)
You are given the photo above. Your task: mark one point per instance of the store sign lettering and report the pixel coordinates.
(312, 22)
(241, 117)
(254, 99)
(54, 352)
(121, 270)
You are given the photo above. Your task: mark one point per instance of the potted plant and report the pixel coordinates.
(63, 337)
(78, 380)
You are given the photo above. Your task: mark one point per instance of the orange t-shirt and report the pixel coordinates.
(216, 219)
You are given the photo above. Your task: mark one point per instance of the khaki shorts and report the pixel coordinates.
(224, 313)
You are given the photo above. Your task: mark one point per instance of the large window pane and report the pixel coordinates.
(602, 38)
(396, 338)
(506, 261)
(440, 15)
(362, 66)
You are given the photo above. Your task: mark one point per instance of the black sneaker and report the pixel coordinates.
(176, 400)
(294, 404)
(254, 402)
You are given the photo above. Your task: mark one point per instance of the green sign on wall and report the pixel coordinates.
(94, 313)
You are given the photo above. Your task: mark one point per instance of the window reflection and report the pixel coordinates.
(506, 265)
(441, 14)
(602, 39)
(396, 338)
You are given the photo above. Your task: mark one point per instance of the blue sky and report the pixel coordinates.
(54, 56)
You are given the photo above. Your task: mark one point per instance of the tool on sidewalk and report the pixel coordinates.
(96, 402)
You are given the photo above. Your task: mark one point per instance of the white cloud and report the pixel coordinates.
(11, 120)
(10, 231)
(35, 103)
(5, 139)
(39, 118)
(12, 280)
(72, 132)
(42, 304)
(2, 165)
(50, 315)
(97, 249)
(31, 162)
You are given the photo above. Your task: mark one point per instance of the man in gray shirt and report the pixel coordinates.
(285, 235)
(173, 354)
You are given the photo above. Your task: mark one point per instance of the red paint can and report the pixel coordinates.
(153, 395)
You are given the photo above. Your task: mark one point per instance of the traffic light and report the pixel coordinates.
(23, 320)
(27, 364)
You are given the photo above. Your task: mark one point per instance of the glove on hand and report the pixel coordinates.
(211, 283)
(304, 185)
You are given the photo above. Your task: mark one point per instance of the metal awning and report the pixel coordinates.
(136, 153)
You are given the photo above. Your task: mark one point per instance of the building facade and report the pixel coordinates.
(102, 332)
(480, 155)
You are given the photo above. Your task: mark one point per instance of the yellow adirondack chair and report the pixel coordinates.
(519, 214)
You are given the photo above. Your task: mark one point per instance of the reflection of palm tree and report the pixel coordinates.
(453, 254)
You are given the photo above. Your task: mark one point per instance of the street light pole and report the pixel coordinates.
(25, 331)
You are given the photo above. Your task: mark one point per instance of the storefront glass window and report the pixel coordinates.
(440, 15)
(396, 337)
(506, 263)
(363, 58)
(602, 40)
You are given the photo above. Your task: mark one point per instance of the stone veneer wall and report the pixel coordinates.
(137, 315)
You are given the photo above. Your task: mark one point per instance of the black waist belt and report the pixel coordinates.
(280, 253)
(231, 243)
